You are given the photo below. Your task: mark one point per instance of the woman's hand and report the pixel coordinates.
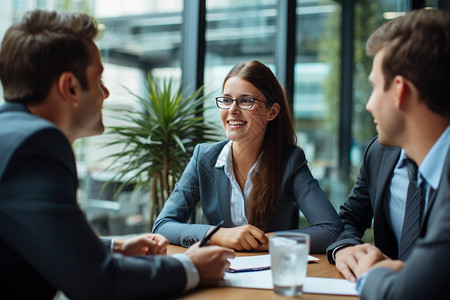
(246, 237)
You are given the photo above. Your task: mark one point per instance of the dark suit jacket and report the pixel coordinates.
(203, 182)
(426, 274)
(46, 243)
(369, 199)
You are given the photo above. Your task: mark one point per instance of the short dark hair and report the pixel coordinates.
(417, 47)
(36, 51)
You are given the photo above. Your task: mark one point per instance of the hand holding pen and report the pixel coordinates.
(208, 236)
(212, 261)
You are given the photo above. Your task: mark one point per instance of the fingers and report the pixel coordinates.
(210, 261)
(348, 259)
(146, 244)
(357, 260)
(162, 244)
(258, 235)
(346, 263)
(346, 271)
(246, 237)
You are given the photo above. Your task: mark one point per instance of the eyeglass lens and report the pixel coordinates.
(244, 103)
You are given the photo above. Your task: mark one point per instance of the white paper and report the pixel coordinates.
(256, 261)
(314, 285)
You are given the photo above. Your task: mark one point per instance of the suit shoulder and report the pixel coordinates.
(210, 148)
(293, 152)
(20, 130)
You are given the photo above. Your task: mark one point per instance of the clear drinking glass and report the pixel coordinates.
(289, 255)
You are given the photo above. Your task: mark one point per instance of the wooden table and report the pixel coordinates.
(322, 268)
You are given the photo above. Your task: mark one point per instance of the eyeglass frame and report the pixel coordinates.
(237, 103)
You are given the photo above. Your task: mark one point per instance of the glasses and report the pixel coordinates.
(242, 103)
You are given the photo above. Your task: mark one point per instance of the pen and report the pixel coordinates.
(207, 237)
(247, 270)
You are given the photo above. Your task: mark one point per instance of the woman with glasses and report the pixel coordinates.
(255, 182)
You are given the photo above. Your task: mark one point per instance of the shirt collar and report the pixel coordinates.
(402, 160)
(431, 168)
(224, 155)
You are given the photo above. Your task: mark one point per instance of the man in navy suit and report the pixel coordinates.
(411, 110)
(377, 200)
(51, 73)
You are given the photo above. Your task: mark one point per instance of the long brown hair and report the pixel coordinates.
(279, 133)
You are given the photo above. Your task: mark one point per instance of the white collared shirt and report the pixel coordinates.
(237, 197)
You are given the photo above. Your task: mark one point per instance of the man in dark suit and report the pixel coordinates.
(51, 72)
(411, 110)
(380, 185)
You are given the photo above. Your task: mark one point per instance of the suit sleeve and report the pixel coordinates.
(48, 229)
(172, 221)
(425, 274)
(324, 224)
(356, 213)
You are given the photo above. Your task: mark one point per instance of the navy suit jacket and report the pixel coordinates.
(46, 244)
(426, 273)
(369, 200)
(203, 182)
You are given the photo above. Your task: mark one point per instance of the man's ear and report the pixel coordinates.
(69, 87)
(403, 90)
(398, 86)
(274, 111)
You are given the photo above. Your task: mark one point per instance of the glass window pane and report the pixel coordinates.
(139, 39)
(316, 96)
(369, 15)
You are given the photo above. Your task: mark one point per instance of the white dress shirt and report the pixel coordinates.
(237, 197)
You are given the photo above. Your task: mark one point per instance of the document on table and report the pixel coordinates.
(313, 285)
(256, 262)
(263, 279)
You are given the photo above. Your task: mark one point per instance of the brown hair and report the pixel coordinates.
(41, 47)
(417, 47)
(279, 133)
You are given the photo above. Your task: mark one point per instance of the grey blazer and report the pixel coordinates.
(205, 183)
(46, 243)
(426, 274)
(369, 200)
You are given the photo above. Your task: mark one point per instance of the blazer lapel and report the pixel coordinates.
(388, 163)
(223, 196)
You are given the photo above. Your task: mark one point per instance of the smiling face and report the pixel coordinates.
(382, 105)
(245, 125)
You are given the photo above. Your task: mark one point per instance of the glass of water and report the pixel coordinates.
(289, 256)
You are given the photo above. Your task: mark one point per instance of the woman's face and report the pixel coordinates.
(246, 125)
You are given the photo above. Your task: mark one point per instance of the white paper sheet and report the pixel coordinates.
(256, 261)
(314, 285)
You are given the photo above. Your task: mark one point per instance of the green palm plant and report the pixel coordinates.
(157, 141)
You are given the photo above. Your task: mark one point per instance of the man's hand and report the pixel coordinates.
(246, 237)
(347, 259)
(146, 244)
(210, 261)
(372, 257)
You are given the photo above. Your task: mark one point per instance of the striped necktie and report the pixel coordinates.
(413, 213)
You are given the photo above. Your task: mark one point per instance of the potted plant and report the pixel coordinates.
(157, 140)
